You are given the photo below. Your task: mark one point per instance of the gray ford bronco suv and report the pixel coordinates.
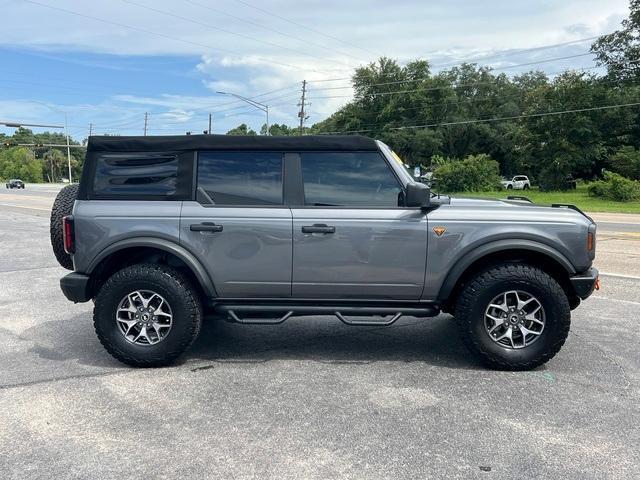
(163, 230)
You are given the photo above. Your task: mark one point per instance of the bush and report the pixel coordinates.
(615, 187)
(476, 173)
(626, 162)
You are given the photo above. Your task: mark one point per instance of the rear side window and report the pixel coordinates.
(139, 175)
(349, 179)
(241, 178)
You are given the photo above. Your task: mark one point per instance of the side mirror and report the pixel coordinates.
(417, 195)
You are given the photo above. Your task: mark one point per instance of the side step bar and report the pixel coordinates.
(277, 314)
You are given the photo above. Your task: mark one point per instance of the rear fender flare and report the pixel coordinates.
(161, 244)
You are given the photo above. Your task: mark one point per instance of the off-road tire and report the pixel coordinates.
(182, 297)
(483, 287)
(62, 206)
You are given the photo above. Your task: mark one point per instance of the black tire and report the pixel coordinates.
(62, 206)
(179, 293)
(509, 187)
(526, 187)
(480, 290)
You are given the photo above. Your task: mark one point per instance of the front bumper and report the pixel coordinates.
(585, 283)
(74, 286)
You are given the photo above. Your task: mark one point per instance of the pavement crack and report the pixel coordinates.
(609, 357)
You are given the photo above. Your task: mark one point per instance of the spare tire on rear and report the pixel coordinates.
(62, 206)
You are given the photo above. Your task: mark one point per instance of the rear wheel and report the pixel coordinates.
(147, 315)
(513, 317)
(62, 206)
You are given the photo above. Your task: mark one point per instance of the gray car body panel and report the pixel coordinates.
(99, 224)
(251, 256)
(477, 226)
(375, 253)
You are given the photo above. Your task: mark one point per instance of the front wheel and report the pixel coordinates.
(526, 187)
(147, 315)
(513, 316)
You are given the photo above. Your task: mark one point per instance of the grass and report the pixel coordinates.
(578, 197)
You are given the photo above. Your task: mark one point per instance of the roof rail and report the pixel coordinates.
(518, 197)
(571, 207)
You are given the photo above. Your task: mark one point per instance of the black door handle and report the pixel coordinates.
(205, 227)
(318, 228)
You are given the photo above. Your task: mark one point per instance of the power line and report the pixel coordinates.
(480, 59)
(212, 27)
(498, 119)
(518, 51)
(396, 82)
(304, 26)
(157, 34)
(492, 97)
(256, 24)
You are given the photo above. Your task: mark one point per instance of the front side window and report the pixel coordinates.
(349, 179)
(143, 174)
(241, 178)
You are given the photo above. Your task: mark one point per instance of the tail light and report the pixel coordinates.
(68, 234)
(591, 241)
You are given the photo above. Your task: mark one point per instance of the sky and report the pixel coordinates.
(106, 63)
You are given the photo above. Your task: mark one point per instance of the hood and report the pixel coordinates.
(516, 210)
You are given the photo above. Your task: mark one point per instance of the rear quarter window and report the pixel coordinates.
(153, 175)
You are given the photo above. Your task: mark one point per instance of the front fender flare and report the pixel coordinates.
(161, 244)
(496, 246)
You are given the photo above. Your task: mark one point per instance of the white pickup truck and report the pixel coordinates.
(519, 182)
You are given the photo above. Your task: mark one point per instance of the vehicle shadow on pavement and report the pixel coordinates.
(434, 341)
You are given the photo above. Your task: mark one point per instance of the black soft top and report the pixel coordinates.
(175, 143)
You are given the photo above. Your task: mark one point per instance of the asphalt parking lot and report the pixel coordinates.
(311, 398)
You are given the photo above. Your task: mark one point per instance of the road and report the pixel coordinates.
(311, 398)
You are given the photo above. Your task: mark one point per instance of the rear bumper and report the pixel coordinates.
(74, 286)
(585, 283)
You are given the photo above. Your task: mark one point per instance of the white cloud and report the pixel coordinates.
(269, 54)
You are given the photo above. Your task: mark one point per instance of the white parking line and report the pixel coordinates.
(614, 299)
(24, 206)
(619, 275)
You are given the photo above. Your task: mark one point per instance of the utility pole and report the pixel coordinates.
(146, 119)
(301, 113)
(66, 132)
(90, 128)
(209, 125)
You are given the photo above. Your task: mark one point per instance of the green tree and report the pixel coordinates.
(241, 129)
(55, 165)
(620, 51)
(19, 162)
(626, 162)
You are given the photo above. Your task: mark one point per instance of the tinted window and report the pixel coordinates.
(241, 178)
(136, 174)
(349, 179)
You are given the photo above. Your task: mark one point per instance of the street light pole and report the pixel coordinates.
(258, 105)
(66, 132)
